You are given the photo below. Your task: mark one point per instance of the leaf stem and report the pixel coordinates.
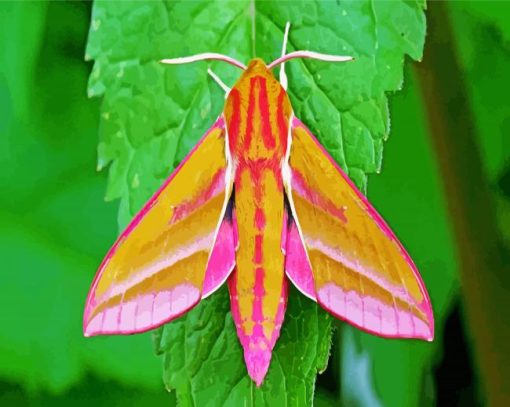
(484, 273)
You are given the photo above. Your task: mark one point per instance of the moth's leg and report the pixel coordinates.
(283, 76)
(219, 82)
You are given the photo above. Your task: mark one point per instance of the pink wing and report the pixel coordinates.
(222, 259)
(179, 248)
(341, 252)
(297, 265)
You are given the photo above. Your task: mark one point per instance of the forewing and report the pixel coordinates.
(361, 272)
(157, 268)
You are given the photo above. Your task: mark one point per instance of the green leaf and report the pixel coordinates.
(54, 224)
(152, 116)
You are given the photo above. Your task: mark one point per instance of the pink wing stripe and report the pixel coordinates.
(222, 260)
(257, 348)
(144, 313)
(371, 315)
(297, 265)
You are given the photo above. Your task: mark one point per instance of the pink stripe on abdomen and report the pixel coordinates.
(257, 347)
(258, 288)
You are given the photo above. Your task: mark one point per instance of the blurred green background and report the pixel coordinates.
(55, 225)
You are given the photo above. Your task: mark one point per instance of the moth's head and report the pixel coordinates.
(256, 71)
(257, 67)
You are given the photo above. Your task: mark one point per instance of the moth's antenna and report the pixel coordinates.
(309, 54)
(283, 76)
(204, 57)
(219, 82)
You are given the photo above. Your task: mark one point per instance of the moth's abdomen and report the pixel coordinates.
(258, 287)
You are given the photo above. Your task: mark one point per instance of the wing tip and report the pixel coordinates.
(427, 308)
(88, 328)
(90, 325)
(87, 333)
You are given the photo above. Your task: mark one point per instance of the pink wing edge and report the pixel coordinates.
(183, 297)
(299, 271)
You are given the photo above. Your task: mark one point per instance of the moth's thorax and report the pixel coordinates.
(257, 113)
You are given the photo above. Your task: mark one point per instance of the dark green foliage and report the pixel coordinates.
(54, 224)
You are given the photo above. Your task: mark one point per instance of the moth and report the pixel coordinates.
(258, 203)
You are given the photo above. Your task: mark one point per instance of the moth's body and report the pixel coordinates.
(257, 114)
